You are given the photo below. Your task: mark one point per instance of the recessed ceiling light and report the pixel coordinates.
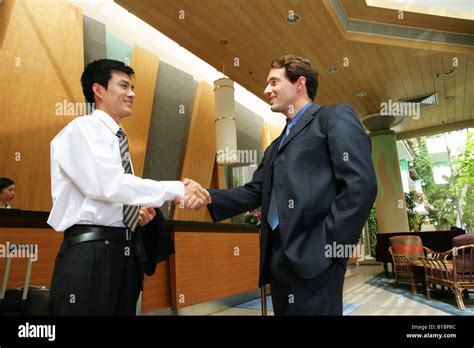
(449, 72)
(332, 69)
(293, 17)
(361, 94)
(450, 97)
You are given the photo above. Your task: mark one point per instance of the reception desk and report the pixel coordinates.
(212, 261)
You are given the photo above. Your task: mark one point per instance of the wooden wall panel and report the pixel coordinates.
(42, 62)
(5, 14)
(200, 152)
(269, 133)
(219, 182)
(47, 241)
(145, 65)
(206, 267)
(156, 289)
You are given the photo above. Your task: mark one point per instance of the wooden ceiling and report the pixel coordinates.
(386, 68)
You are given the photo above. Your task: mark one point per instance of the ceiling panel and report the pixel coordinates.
(256, 33)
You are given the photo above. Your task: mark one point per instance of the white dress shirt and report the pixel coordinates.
(88, 183)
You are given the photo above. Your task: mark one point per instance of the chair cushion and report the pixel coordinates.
(410, 246)
(439, 272)
(463, 239)
(465, 260)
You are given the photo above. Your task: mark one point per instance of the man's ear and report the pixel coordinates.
(98, 90)
(300, 83)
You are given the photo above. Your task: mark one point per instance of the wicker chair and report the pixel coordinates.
(405, 252)
(453, 269)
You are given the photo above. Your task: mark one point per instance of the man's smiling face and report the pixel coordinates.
(280, 92)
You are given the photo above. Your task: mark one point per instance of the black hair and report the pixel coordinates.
(5, 182)
(100, 71)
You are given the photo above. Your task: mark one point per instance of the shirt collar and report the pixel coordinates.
(299, 113)
(107, 119)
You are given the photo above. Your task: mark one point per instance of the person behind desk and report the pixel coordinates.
(98, 202)
(7, 193)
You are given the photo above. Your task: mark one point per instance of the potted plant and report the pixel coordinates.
(253, 217)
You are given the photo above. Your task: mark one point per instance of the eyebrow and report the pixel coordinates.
(127, 83)
(273, 79)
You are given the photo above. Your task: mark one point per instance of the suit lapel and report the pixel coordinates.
(305, 119)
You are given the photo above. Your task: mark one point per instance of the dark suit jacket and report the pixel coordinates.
(156, 241)
(325, 187)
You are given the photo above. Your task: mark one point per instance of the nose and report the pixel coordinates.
(268, 90)
(131, 93)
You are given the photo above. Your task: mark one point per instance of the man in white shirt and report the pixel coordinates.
(98, 202)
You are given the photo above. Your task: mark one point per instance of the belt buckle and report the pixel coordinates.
(128, 234)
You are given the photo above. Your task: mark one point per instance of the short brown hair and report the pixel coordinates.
(298, 66)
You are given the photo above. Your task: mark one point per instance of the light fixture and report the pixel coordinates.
(448, 72)
(450, 97)
(293, 17)
(361, 94)
(423, 100)
(226, 130)
(332, 69)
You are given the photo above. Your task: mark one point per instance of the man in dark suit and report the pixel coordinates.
(316, 185)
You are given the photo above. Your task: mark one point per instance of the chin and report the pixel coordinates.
(276, 108)
(126, 113)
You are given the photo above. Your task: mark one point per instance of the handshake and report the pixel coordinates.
(195, 197)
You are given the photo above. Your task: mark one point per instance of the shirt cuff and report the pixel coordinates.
(174, 189)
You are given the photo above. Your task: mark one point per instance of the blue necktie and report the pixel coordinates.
(272, 217)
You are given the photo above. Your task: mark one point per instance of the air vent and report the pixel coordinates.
(424, 100)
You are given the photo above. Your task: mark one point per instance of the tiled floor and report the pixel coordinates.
(373, 300)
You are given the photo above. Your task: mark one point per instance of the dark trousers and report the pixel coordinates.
(293, 295)
(95, 278)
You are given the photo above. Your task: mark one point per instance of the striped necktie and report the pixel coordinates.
(130, 212)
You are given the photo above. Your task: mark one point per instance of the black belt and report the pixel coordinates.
(86, 233)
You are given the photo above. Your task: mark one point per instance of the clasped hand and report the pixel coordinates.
(195, 197)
